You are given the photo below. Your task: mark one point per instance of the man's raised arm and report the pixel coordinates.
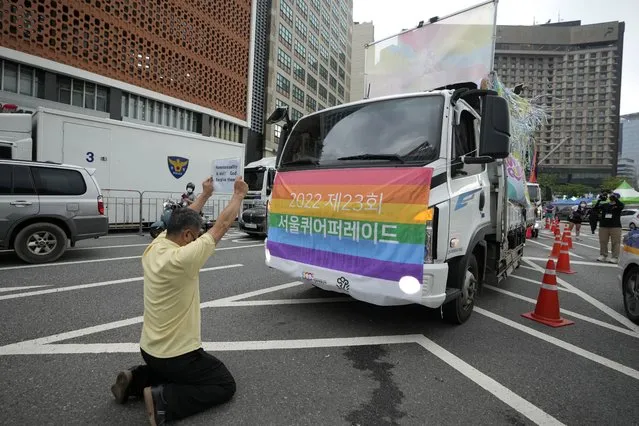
(230, 212)
(200, 201)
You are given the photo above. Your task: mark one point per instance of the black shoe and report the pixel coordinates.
(155, 405)
(120, 389)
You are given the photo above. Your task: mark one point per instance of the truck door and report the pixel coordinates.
(18, 198)
(89, 146)
(470, 189)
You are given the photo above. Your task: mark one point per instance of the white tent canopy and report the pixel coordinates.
(628, 193)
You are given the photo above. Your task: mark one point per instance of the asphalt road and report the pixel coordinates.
(302, 356)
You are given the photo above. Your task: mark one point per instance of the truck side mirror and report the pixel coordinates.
(269, 189)
(495, 128)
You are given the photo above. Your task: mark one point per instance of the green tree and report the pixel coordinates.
(612, 182)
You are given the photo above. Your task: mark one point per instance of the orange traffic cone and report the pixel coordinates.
(547, 223)
(547, 307)
(553, 228)
(556, 247)
(568, 237)
(563, 264)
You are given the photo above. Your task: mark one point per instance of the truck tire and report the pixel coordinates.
(40, 243)
(467, 280)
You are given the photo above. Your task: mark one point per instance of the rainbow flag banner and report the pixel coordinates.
(349, 225)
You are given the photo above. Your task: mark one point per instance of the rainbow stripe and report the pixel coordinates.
(369, 222)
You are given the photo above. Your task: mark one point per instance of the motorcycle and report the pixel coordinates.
(160, 225)
(168, 206)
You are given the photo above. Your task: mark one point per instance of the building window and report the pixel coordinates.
(325, 35)
(316, 4)
(285, 36)
(149, 110)
(296, 115)
(302, 7)
(72, 91)
(314, 22)
(283, 60)
(311, 83)
(22, 79)
(300, 50)
(323, 93)
(331, 100)
(333, 83)
(342, 74)
(320, 107)
(311, 104)
(300, 28)
(340, 91)
(324, 54)
(283, 85)
(299, 73)
(334, 65)
(298, 95)
(314, 42)
(323, 72)
(312, 62)
(286, 12)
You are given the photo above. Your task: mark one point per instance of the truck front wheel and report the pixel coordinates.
(40, 243)
(467, 280)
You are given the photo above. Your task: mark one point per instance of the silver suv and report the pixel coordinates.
(44, 207)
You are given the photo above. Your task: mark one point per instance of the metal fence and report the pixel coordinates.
(130, 209)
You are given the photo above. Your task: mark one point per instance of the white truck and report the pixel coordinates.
(475, 234)
(259, 175)
(137, 166)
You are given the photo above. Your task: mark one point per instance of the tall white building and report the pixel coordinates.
(363, 34)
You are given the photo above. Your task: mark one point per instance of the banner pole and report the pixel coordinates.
(494, 49)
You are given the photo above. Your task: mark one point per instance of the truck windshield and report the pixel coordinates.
(254, 178)
(533, 191)
(404, 131)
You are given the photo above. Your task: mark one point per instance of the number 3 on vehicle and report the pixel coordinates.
(90, 157)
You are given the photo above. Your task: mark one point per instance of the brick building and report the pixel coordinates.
(168, 63)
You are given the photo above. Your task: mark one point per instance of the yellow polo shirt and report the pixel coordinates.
(172, 295)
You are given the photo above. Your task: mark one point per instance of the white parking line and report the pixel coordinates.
(567, 312)
(538, 283)
(99, 284)
(127, 322)
(527, 409)
(594, 302)
(631, 372)
(6, 289)
(110, 259)
(574, 262)
(501, 392)
(550, 248)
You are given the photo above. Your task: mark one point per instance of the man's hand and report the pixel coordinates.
(207, 187)
(240, 187)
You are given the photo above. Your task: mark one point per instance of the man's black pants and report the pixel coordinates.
(193, 382)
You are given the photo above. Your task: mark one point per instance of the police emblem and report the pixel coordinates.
(178, 166)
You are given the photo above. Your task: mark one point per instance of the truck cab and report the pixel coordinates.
(474, 233)
(15, 136)
(259, 175)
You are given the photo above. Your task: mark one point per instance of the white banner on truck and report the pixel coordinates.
(224, 173)
(457, 48)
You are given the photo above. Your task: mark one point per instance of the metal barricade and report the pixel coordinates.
(122, 207)
(131, 209)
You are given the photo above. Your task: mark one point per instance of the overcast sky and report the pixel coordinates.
(391, 16)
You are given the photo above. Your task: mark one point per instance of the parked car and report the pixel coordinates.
(629, 277)
(45, 207)
(630, 218)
